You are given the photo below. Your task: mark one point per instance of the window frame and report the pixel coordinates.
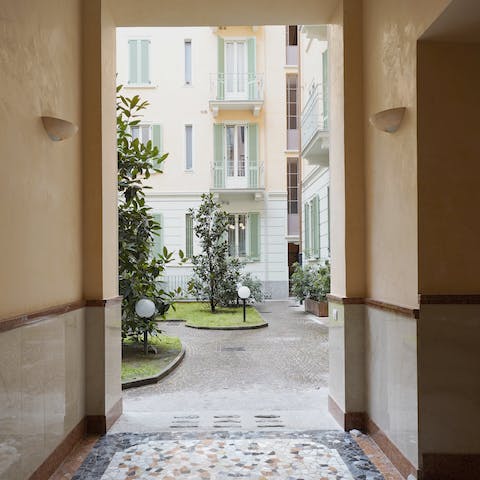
(189, 66)
(186, 125)
(139, 39)
(236, 230)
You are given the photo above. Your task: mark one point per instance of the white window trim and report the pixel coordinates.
(185, 169)
(236, 123)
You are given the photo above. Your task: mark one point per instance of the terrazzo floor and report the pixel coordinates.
(317, 455)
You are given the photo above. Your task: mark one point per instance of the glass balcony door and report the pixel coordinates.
(236, 158)
(236, 71)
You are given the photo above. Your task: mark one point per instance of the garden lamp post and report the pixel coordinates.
(145, 308)
(244, 293)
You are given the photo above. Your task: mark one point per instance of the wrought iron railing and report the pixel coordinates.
(236, 86)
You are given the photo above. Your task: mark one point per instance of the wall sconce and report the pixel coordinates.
(58, 129)
(388, 120)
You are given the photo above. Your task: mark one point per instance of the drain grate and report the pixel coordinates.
(185, 421)
(233, 349)
(269, 421)
(225, 421)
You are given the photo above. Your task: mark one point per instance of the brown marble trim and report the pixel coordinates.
(443, 466)
(104, 303)
(390, 307)
(54, 460)
(41, 315)
(345, 300)
(100, 424)
(348, 421)
(402, 464)
(449, 299)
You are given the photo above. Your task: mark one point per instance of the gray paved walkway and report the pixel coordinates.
(269, 378)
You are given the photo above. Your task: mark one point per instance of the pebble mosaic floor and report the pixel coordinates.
(318, 455)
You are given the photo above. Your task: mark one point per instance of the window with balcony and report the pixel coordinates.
(244, 235)
(139, 62)
(293, 132)
(292, 50)
(236, 156)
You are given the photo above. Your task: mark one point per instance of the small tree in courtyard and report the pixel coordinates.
(139, 268)
(213, 270)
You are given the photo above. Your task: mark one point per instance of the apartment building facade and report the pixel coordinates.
(224, 103)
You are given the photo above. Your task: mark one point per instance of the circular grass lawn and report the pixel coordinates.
(198, 315)
(137, 366)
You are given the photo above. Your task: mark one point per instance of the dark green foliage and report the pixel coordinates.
(311, 281)
(139, 270)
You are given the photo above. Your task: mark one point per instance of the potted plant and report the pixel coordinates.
(311, 283)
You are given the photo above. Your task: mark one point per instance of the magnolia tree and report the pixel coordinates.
(140, 270)
(216, 275)
(213, 270)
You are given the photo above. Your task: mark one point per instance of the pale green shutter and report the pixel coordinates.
(145, 61)
(218, 156)
(325, 88)
(188, 235)
(307, 230)
(158, 236)
(252, 67)
(133, 59)
(221, 69)
(157, 140)
(315, 211)
(254, 235)
(253, 170)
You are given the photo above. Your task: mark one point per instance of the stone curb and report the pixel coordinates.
(149, 380)
(240, 327)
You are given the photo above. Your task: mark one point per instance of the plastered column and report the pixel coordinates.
(100, 251)
(347, 383)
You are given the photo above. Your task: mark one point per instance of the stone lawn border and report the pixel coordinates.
(149, 380)
(230, 327)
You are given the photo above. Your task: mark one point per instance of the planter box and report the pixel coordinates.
(320, 309)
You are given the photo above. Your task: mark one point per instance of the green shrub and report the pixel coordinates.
(311, 281)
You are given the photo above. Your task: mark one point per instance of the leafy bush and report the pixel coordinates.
(311, 281)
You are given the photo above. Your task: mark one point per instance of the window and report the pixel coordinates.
(235, 148)
(292, 102)
(139, 62)
(235, 68)
(292, 185)
(188, 147)
(188, 62)
(146, 132)
(237, 235)
(142, 132)
(188, 235)
(292, 35)
(158, 235)
(244, 235)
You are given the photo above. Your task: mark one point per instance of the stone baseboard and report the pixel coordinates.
(100, 424)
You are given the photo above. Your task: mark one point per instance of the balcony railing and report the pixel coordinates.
(251, 180)
(314, 115)
(236, 87)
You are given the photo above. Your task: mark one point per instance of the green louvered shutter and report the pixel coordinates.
(253, 170)
(325, 88)
(315, 227)
(307, 230)
(145, 61)
(218, 156)
(133, 59)
(158, 236)
(221, 69)
(157, 139)
(254, 235)
(252, 67)
(188, 235)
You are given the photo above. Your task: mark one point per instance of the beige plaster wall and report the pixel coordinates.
(448, 168)
(391, 30)
(40, 185)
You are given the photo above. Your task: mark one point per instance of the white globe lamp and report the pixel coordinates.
(244, 292)
(145, 308)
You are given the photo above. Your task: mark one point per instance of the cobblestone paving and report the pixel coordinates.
(226, 456)
(281, 369)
